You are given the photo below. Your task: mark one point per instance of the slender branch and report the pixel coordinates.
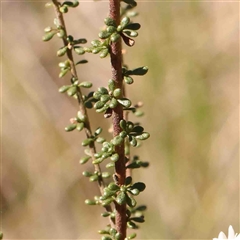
(120, 170)
(82, 108)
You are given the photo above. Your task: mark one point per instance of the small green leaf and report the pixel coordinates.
(107, 194)
(103, 53)
(135, 191)
(103, 90)
(111, 85)
(80, 41)
(138, 129)
(101, 110)
(113, 187)
(115, 37)
(48, 29)
(117, 236)
(79, 50)
(61, 51)
(105, 214)
(90, 202)
(132, 225)
(100, 140)
(111, 29)
(133, 26)
(103, 231)
(128, 180)
(70, 38)
(107, 202)
(80, 126)
(48, 36)
(104, 34)
(63, 72)
(72, 90)
(141, 208)
(123, 134)
(117, 140)
(96, 43)
(70, 127)
(123, 124)
(128, 41)
(124, 22)
(139, 185)
(110, 165)
(99, 105)
(61, 33)
(85, 84)
(105, 98)
(98, 131)
(87, 141)
(97, 95)
(125, 102)
(106, 238)
(143, 136)
(138, 113)
(109, 22)
(117, 92)
(131, 202)
(113, 103)
(132, 236)
(81, 117)
(63, 9)
(130, 2)
(114, 157)
(138, 219)
(84, 160)
(93, 178)
(81, 62)
(132, 13)
(128, 79)
(86, 174)
(75, 3)
(121, 198)
(97, 50)
(138, 71)
(64, 88)
(131, 33)
(112, 232)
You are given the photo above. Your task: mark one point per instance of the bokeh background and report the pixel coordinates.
(191, 109)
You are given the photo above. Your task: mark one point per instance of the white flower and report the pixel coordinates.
(231, 235)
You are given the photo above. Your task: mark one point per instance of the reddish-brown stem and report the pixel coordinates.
(82, 108)
(117, 116)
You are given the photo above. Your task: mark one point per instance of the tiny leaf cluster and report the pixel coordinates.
(104, 100)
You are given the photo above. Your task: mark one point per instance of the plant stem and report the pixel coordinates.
(117, 116)
(82, 108)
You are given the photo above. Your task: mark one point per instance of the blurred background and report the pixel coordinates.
(191, 109)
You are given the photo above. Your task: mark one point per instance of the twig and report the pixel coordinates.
(82, 108)
(120, 170)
